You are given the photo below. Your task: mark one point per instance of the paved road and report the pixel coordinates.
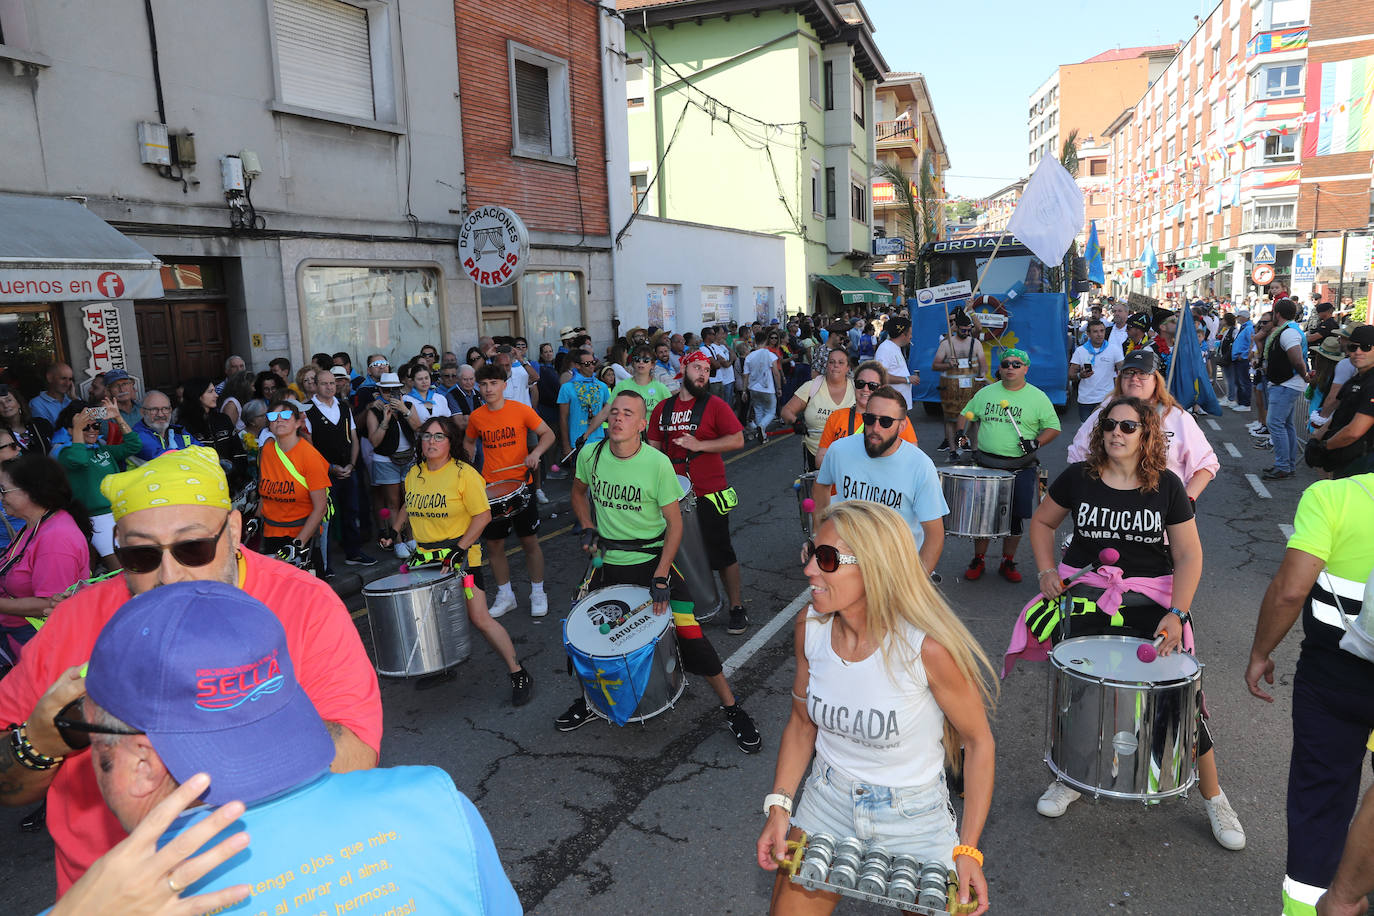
(664, 816)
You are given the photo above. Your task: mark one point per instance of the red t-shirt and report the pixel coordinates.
(706, 469)
(326, 651)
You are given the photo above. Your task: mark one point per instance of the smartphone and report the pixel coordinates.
(99, 413)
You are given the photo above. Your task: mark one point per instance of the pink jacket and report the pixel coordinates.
(1114, 584)
(1189, 450)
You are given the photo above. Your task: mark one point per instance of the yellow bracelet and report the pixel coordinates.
(971, 851)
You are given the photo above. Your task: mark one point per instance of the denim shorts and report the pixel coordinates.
(385, 471)
(916, 820)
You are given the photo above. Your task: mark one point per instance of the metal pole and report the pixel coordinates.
(1340, 280)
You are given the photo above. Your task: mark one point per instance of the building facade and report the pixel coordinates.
(706, 146)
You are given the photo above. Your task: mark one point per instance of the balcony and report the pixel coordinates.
(899, 135)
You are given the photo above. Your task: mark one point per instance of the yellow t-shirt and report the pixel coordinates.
(441, 504)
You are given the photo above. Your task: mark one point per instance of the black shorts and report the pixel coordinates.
(715, 532)
(698, 655)
(525, 522)
(1023, 496)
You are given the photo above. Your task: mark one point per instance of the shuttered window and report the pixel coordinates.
(324, 56)
(532, 107)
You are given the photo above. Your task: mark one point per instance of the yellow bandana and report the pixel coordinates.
(187, 477)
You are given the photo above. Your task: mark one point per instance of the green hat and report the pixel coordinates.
(1014, 353)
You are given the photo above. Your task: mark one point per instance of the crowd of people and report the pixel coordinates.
(192, 497)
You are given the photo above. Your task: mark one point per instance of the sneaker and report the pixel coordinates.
(739, 621)
(361, 559)
(1260, 431)
(1239, 409)
(577, 716)
(943, 446)
(1277, 474)
(1225, 402)
(539, 603)
(539, 495)
(1253, 425)
(1225, 824)
(1056, 799)
(1008, 570)
(1263, 442)
(328, 574)
(975, 567)
(521, 687)
(742, 727)
(503, 605)
(401, 550)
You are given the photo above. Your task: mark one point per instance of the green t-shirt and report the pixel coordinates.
(652, 393)
(628, 495)
(997, 435)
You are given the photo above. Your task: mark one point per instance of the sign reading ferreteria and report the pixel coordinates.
(493, 246)
(104, 337)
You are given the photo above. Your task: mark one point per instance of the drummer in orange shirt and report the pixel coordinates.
(503, 427)
(293, 483)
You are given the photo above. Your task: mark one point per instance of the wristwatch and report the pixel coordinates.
(776, 800)
(1183, 616)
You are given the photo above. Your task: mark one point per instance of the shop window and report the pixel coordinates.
(548, 301)
(365, 309)
(30, 336)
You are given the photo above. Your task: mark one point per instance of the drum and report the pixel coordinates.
(805, 484)
(979, 501)
(624, 654)
(691, 560)
(1119, 727)
(508, 497)
(419, 622)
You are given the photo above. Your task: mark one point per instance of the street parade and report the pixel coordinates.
(628, 457)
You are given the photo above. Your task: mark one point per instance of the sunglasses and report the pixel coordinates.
(1127, 426)
(71, 724)
(90, 427)
(281, 415)
(871, 386)
(644, 359)
(827, 557)
(588, 364)
(379, 364)
(193, 553)
(433, 437)
(1012, 364)
(1363, 348)
(871, 419)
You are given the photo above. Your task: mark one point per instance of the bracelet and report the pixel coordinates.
(25, 753)
(971, 851)
(1183, 616)
(1043, 571)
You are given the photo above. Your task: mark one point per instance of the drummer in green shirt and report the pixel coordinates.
(1014, 420)
(642, 383)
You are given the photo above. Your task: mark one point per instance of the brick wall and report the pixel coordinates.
(1340, 204)
(546, 195)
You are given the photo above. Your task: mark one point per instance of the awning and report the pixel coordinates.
(857, 289)
(58, 251)
(1184, 279)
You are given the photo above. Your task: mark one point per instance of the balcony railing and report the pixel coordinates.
(900, 130)
(1268, 222)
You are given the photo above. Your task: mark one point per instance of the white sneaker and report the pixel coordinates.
(539, 603)
(1253, 425)
(1225, 824)
(539, 495)
(503, 605)
(1057, 799)
(1240, 409)
(401, 550)
(1225, 402)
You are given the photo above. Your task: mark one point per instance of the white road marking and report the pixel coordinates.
(1258, 487)
(1216, 427)
(764, 633)
(1287, 531)
(1231, 450)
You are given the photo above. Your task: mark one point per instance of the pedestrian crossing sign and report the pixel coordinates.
(1264, 254)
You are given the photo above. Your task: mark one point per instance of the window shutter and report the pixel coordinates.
(324, 56)
(532, 107)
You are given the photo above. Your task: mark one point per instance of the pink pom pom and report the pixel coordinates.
(554, 468)
(384, 514)
(405, 568)
(1146, 652)
(1108, 556)
(808, 504)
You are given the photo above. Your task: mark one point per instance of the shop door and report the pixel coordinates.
(180, 340)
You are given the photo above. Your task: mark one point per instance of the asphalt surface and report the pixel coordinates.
(664, 816)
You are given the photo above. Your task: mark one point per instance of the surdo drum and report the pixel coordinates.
(624, 654)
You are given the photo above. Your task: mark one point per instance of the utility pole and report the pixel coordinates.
(1340, 280)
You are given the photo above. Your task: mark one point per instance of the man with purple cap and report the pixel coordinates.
(195, 678)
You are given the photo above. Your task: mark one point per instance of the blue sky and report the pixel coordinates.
(982, 59)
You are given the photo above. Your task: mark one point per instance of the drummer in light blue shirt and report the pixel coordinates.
(880, 467)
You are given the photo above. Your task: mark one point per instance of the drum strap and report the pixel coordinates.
(723, 500)
(1044, 617)
(300, 479)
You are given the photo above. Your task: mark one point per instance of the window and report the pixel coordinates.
(549, 300)
(1216, 57)
(1235, 40)
(858, 203)
(828, 84)
(1268, 217)
(814, 72)
(1218, 113)
(639, 187)
(817, 205)
(636, 81)
(1285, 13)
(540, 109)
(334, 58)
(858, 101)
(1280, 148)
(1097, 167)
(1278, 81)
(830, 193)
(364, 308)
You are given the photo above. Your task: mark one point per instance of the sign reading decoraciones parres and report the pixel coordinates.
(493, 246)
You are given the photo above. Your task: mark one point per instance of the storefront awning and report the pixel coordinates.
(1184, 279)
(857, 289)
(58, 251)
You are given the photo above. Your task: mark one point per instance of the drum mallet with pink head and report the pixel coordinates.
(1148, 651)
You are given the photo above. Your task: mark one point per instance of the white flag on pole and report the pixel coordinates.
(1049, 213)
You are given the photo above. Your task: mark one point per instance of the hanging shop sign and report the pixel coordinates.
(493, 246)
(104, 337)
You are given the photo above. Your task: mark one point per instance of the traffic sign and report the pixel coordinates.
(1304, 271)
(1264, 254)
(1262, 274)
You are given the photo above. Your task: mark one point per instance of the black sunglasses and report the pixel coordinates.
(871, 419)
(1011, 364)
(644, 359)
(71, 724)
(1127, 426)
(1363, 348)
(828, 558)
(871, 386)
(194, 552)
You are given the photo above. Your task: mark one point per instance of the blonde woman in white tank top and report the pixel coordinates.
(889, 685)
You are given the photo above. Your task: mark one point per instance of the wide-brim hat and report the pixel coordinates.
(566, 332)
(1330, 348)
(389, 380)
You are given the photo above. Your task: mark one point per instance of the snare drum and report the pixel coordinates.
(624, 654)
(419, 622)
(979, 501)
(805, 483)
(508, 497)
(1120, 727)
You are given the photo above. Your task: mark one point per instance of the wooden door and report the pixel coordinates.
(180, 340)
(156, 349)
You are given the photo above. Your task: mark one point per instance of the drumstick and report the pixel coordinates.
(1006, 409)
(1107, 556)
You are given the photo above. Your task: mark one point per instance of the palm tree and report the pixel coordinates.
(1068, 158)
(920, 208)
